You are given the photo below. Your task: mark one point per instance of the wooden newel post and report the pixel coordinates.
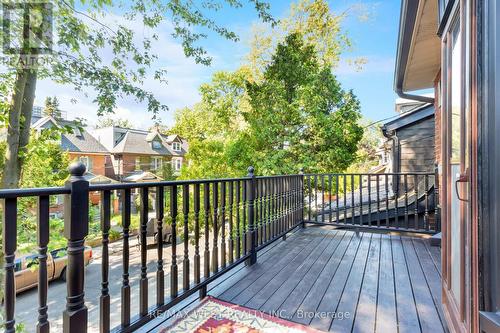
(251, 216)
(301, 197)
(76, 221)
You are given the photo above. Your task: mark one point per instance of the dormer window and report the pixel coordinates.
(176, 146)
(156, 144)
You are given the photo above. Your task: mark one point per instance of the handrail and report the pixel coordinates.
(215, 225)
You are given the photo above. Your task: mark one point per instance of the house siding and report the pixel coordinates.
(99, 164)
(417, 146)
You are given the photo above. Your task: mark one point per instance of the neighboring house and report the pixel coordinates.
(410, 140)
(79, 144)
(453, 47)
(135, 150)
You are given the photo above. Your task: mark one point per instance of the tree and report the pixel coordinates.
(117, 122)
(92, 55)
(295, 115)
(300, 116)
(51, 107)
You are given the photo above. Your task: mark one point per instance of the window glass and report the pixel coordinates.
(456, 93)
(156, 144)
(176, 146)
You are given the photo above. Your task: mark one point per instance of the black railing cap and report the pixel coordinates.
(77, 169)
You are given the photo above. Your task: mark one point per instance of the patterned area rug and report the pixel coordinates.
(216, 316)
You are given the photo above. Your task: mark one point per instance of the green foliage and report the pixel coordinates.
(297, 115)
(45, 163)
(117, 122)
(51, 107)
(301, 117)
(167, 172)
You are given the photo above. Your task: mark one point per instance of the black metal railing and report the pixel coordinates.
(223, 221)
(215, 225)
(390, 201)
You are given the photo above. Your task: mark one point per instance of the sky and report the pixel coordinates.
(374, 39)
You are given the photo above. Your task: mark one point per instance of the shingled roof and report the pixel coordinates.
(140, 142)
(79, 140)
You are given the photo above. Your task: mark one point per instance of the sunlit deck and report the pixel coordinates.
(339, 281)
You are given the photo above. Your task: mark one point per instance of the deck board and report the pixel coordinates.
(378, 282)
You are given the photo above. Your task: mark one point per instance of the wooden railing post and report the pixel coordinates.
(301, 197)
(76, 220)
(251, 216)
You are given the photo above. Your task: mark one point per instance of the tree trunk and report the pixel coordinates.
(19, 122)
(11, 167)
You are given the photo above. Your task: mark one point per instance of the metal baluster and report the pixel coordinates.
(386, 200)
(353, 212)
(160, 216)
(104, 301)
(143, 283)
(330, 197)
(316, 197)
(206, 207)
(323, 198)
(174, 279)
(231, 230)
(9, 245)
(337, 213)
(426, 213)
(378, 200)
(257, 210)
(196, 233)
(269, 209)
(415, 193)
(396, 204)
(223, 224)
(345, 198)
(125, 290)
(43, 325)
(405, 180)
(310, 199)
(215, 247)
(244, 215)
(369, 187)
(360, 199)
(185, 213)
(238, 230)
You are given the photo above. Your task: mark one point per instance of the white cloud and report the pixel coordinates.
(183, 75)
(374, 64)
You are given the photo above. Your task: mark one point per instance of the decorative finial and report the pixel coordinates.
(250, 171)
(77, 169)
(301, 171)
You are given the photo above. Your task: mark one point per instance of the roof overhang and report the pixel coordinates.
(418, 58)
(408, 119)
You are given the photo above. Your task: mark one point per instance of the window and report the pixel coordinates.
(156, 144)
(86, 161)
(176, 146)
(156, 163)
(177, 164)
(137, 163)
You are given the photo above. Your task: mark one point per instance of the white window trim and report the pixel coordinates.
(86, 161)
(177, 164)
(176, 146)
(156, 163)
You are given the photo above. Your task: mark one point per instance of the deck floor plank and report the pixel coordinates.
(279, 272)
(333, 293)
(386, 303)
(310, 286)
(431, 274)
(405, 304)
(364, 320)
(350, 296)
(274, 295)
(427, 312)
(386, 283)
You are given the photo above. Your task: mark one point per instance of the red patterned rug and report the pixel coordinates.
(216, 316)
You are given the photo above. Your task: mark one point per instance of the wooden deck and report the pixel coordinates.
(339, 281)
